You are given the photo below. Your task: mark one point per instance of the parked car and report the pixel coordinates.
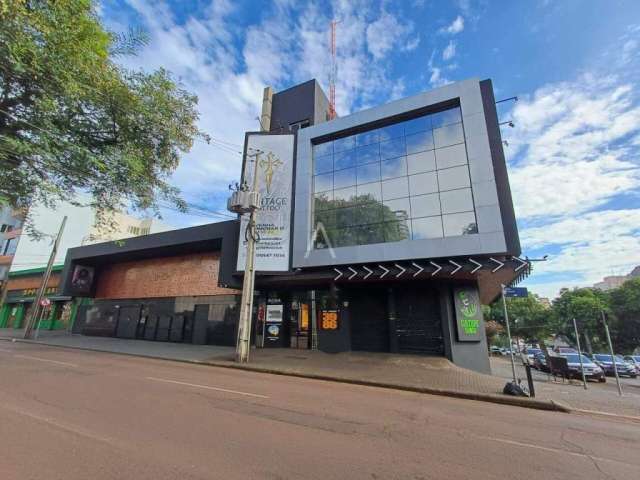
(540, 362)
(564, 350)
(531, 352)
(591, 370)
(635, 361)
(494, 350)
(606, 362)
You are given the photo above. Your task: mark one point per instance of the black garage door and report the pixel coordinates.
(418, 322)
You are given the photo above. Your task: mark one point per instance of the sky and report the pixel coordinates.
(573, 153)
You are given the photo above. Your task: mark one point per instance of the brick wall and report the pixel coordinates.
(32, 281)
(179, 276)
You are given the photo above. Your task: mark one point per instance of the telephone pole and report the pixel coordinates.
(43, 285)
(506, 322)
(243, 202)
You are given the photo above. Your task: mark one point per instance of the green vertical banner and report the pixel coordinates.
(468, 314)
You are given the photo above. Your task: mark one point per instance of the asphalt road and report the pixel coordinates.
(69, 414)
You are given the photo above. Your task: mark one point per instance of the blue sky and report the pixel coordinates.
(573, 155)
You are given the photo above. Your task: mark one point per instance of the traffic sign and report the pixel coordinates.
(517, 292)
(45, 302)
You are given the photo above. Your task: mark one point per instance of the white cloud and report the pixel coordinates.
(384, 34)
(575, 176)
(436, 79)
(455, 27)
(450, 51)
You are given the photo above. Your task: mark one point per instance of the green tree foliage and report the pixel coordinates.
(528, 318)
(586, 306)
(72, 119)
(625, 305)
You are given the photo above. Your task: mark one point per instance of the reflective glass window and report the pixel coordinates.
(368, 154)
(453, 178)
(449, 135)
(346, 216)
(344, 178)
(399, 208)
(323, 164)
(367, 138)
(392, 131)
(451, 156)
(459, 224)
(396, 167)
(392, 148)
(342, 144)
(446, 117)
(415, 125)
(324, 182)
(326, 218)
(395, 188)
(368, 234)
(370, 192)
(344, 195)
(423, 183)
(419, 142)
(425, 205)
(345, 159)
(368, 173)
(368, 213)
(428, 227)
(455, 201)
(396, 231)
(323, 149)
(323, 201)
(421, 162)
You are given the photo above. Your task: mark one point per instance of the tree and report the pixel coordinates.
(625, 305)
(72, 119)
(586, 306)
(528, 318)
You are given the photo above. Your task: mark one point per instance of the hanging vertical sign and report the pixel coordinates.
(273, 220)
(468, 314)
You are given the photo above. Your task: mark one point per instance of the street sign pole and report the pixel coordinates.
(506, 321)
(575, 328)
(613, 358)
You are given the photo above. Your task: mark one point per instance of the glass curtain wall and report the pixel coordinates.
(408, 180)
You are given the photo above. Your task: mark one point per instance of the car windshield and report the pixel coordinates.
(533, 351)
(604, 358)
(636, 358)
(574, 358)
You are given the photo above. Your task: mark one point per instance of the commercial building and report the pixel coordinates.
(383, 230)
(25, 257)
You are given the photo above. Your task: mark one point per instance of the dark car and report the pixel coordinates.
(591, 370)
(606, 362)
(540, 363)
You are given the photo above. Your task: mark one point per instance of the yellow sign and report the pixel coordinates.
(329, 320)
(304, 317)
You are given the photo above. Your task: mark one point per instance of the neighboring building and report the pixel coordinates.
(10, 230)
(545, 302)
(29, 257)
(615, 281)
(383, 230)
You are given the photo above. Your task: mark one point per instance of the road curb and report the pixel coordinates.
(548, 405)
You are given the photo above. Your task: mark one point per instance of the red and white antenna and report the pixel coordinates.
(333, 73)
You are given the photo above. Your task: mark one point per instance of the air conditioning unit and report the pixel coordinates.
(243, 202)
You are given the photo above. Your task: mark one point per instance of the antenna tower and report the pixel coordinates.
(333, 73)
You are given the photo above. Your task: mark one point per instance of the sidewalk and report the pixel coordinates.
(434, 375)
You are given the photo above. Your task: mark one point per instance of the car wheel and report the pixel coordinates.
(602, 379)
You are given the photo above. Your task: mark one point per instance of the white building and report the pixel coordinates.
(79, 230)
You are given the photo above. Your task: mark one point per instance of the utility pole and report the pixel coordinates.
(251, 235)
(613, 358)
(43, 285)
(506, 321)
(575, 329)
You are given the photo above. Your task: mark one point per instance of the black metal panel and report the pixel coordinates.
(369, 321)
(150, 327)
(128, 318)
(177, 328)
(164, 327)
(200, 324)
(418, 321)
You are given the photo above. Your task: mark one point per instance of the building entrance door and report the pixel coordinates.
(369, 320)
(418, 322)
